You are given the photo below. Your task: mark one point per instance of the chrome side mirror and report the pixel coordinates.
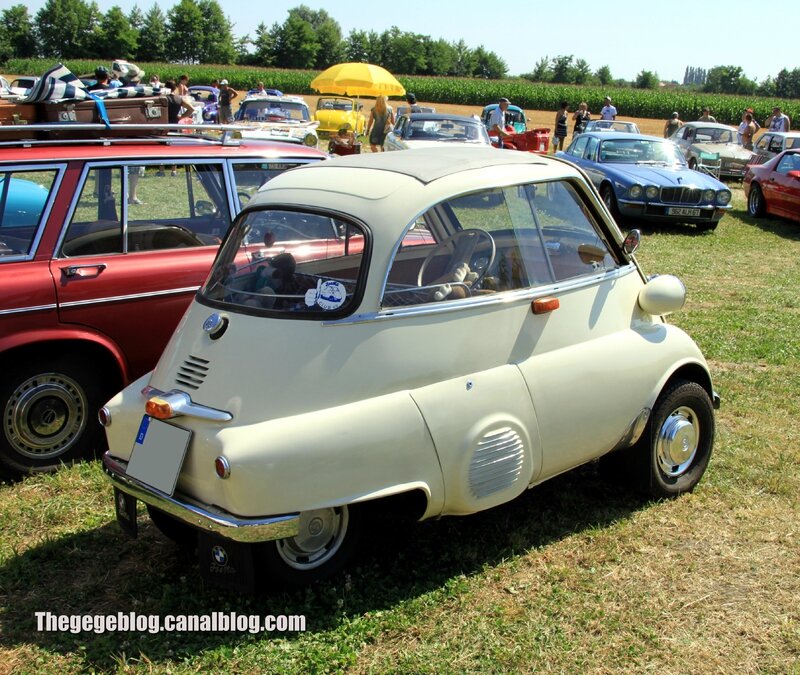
(632, 241)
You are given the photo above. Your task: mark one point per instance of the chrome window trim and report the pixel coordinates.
(120, 163)
(502, 298)
(61, 169)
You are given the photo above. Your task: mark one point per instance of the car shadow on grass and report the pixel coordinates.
(102, 572)
(780, 227)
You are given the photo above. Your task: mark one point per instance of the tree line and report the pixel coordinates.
(198, 32)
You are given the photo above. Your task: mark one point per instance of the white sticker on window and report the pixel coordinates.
(327, 295)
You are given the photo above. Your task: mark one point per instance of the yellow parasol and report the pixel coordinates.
(357, 79)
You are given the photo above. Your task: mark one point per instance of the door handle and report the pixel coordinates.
(83, 270)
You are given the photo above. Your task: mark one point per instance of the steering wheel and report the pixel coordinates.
(464, 243)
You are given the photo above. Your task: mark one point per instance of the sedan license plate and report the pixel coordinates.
(680, 211)
(158, 454)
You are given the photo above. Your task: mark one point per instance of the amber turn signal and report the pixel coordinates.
(545, 305)
(159, 408)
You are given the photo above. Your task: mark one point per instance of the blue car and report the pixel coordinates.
(647, 178)
(515, 116)
(209, 98)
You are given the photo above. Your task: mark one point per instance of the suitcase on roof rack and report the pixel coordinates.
(16, 115)
(145, 110)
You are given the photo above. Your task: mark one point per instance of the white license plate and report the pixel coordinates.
(679, 211)
(158, 454)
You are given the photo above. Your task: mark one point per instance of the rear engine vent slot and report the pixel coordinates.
(496, 463)
(193, 372)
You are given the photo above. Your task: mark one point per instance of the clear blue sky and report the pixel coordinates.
(626, 35)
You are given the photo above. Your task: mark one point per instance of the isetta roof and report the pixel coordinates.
(401, 184)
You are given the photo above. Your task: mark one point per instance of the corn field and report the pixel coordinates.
(648, 103)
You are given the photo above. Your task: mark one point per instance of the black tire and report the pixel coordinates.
(610, 200)
(756, 206)
(49, 412)
(684, 415)
(182, 534)
(327, 540)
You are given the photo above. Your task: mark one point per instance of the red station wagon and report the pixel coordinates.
(102, 247)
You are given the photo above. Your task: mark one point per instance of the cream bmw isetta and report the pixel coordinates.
(448, 326)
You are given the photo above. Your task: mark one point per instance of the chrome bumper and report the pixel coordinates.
(202, 516)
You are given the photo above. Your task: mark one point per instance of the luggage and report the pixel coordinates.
(149, 110)
(16, 115)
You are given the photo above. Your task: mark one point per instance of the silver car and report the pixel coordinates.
(712, 148)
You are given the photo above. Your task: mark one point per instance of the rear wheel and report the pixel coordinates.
(326, 541)
(49, 415)
(756, 206)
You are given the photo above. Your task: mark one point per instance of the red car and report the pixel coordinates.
(774, 187)
(102, 247)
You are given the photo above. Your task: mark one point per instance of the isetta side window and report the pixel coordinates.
(502, 239)
(290, 262)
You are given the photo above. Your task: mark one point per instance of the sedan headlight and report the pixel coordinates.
(310, 140)
(709, 196)
(635, 191)
(723, 197)
(651, 192)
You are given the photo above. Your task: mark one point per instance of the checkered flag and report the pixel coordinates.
(57, 83)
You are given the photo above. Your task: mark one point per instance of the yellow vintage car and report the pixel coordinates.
(333, 112)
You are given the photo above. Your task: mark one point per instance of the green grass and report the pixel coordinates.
(575, 576)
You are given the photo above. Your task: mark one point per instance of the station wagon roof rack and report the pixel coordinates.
(93, 133)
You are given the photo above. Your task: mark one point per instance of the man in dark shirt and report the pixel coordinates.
(101, 75)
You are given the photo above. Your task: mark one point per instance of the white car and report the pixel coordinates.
(772, 143)
(477, 326)
(423, 130)
(277, 118)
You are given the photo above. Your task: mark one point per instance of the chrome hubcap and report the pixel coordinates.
(320, 535)
(677, 442)
(45, 415)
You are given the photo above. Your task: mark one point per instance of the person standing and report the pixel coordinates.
(608, 111)
(672, 125)
(381, 118)
(497, 120)
(581, 117)
(182, 88)
(748, 131)
(226, 95)
(560, 134)
(707, 116)
(777, 121)
(411, 99)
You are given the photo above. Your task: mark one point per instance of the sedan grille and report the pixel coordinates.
(681, 195)
(193, 372)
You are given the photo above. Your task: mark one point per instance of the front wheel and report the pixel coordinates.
(680, 438)
(610, 200)
(755, 201)
(49, 415)
(326, 541)
(672, 454)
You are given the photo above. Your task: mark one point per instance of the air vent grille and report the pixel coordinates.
(192, 372)
(496, 463)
